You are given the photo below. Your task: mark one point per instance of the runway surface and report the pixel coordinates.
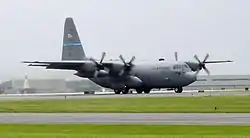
(126, 118)
(111, 95)
(123, 118)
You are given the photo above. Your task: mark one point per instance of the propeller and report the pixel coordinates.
(127, 65)
(202, 63)
(99, 65)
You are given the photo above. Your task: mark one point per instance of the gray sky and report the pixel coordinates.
(33, 29)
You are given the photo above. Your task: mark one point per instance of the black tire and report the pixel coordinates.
(117, 91)
(178, 90)
(139, 91)
(147, 91)
(125, 91)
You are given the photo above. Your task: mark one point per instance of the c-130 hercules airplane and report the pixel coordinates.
(122, 76)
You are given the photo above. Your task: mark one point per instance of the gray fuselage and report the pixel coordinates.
(153, 75)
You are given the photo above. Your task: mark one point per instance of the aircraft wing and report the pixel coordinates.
(219, 61)
(68, 65)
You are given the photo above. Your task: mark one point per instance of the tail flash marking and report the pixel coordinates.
(72, 44)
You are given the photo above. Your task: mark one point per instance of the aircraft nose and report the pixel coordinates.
(191, 76)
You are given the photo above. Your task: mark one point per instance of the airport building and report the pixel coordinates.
(213, 82)
(47, 86)
(219, 82)
(35, 86)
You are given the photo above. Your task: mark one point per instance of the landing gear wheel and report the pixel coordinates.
(125, 91)
(139, 91)
(178, 90)
(147, 90)
(117, 91)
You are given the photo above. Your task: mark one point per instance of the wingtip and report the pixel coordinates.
(25, 62)
(28, 61)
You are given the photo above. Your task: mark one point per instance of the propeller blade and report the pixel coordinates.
(121, 72)
(196, 57)
(132, 59)
(123, 60)
(206, 70)
(176, 56)
(103, 56)
(197, 72)
(205, 59)
(95, 74)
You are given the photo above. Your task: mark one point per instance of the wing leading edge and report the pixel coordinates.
(66, 65)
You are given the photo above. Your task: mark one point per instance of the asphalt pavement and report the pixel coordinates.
(126, 118)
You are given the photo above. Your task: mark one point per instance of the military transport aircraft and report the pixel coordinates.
(122, 76)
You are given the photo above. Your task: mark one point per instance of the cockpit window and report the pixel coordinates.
(181, 67)
(186, 68)
(176, 67)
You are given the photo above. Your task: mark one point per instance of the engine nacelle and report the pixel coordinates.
(133, 82)
(194, 66)
(101, 73)
(88, 67)
(92, 74)
(115, 69)
(84, 74)
(118, 86)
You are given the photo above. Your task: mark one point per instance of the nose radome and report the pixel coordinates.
(191, 76)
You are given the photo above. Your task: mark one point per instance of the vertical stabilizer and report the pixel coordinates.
(72, 46)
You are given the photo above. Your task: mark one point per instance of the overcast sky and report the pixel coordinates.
(148, 29)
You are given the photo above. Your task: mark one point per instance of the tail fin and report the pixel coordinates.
(72, 46)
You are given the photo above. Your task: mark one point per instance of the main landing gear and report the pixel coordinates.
(117, 91)
(126, 91)
(178, 90)
(145, 90)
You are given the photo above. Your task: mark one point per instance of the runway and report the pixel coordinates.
(112, 95)
(126, 118)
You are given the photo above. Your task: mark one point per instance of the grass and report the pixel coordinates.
(121, 131)
(224, 104)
